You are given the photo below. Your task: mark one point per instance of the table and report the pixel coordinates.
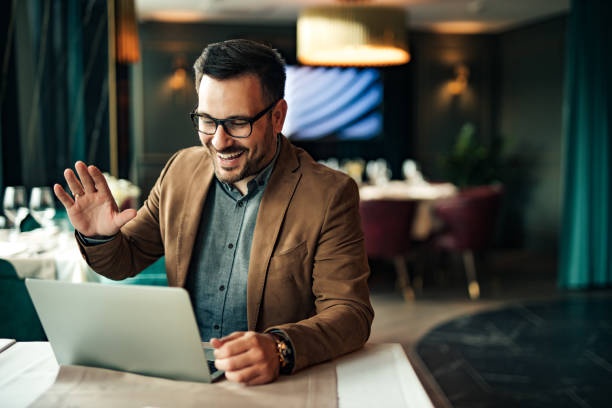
(377, 375)
(425, 193)
(400, 190)
(46, 254)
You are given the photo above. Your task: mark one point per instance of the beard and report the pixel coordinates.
(255, 159)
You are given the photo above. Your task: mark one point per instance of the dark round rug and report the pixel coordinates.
(547, 354)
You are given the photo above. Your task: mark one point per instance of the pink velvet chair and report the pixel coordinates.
(387, 226)
(470, 219)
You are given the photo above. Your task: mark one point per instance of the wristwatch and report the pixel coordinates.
(284, 350)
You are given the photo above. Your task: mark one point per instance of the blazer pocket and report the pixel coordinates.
(292, 258)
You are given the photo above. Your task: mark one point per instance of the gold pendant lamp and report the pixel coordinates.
(352, 34)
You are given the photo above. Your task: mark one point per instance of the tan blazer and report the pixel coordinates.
(308, 269)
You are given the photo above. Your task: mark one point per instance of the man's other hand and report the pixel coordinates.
(93, 211)
(247, 357)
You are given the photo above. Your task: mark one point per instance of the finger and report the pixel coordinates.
(220, 342)
(235, 362)
(99, 180)
(260, 379)
(232, 347)
(124, 216)
(63, 196)
(73, 183)
(242, 376)
(86, 180)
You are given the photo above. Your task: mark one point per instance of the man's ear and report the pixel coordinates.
(278, 116)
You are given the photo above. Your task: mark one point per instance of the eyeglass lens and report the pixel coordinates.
(234, 127)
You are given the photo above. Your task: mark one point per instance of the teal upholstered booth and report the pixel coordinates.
(18, 318)
(154, 274)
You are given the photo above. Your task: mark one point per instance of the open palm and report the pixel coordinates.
(93, 211)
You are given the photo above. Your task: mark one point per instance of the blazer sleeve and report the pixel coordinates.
(138, 244)
(343, 313)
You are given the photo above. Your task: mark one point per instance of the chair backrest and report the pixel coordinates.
(387, 226)
(471, 216)
(18, 318)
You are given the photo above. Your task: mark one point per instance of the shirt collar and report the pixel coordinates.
(264, 175)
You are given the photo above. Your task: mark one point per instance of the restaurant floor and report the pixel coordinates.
(454, 343)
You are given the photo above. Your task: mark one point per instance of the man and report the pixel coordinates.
(267, 242)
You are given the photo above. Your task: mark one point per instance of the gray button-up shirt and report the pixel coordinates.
(218, 271)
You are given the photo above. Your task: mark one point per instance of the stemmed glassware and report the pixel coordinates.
(42, 206)
(15, 205)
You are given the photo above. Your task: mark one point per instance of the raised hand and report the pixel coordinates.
(93, 211)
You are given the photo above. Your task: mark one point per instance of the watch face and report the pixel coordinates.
(282, 348)
(285, 353)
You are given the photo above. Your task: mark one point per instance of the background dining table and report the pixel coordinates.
(45, 253)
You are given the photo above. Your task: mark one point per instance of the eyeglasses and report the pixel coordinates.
(238, 127)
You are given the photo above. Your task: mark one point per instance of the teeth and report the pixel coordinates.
(230, 157)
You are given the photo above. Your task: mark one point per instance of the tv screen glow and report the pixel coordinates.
(332, 103)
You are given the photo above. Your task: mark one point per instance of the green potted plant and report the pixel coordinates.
(471, 163)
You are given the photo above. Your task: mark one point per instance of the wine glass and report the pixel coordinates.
(42, 206)
(15, 205)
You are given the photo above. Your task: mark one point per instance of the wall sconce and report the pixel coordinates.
(178, 80)
(460, 83)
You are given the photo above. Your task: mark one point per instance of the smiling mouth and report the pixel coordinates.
(228, 158)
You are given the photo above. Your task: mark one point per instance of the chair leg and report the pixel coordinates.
(470, 271)
(419, 262)
(403, 281)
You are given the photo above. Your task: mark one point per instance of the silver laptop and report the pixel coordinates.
(142, 329)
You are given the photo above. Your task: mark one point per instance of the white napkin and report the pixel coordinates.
(11, 248)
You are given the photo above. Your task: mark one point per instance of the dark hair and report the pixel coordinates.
(233, 58)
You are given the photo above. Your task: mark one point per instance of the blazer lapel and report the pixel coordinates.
(190, 219)
(270, 216)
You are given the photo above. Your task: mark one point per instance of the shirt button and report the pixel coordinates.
(230, 246)
(221, 288)
(216, 327)
(240, 203)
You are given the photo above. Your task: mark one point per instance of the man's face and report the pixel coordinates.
(238, 159)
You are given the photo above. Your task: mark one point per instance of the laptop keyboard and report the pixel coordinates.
(209, 352)
(211, 366)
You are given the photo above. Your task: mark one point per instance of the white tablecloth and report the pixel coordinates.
(46, 254)
(377, 375)
(400, 190)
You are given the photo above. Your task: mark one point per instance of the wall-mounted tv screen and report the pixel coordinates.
(333, 104)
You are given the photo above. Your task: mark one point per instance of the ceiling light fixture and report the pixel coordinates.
(128, 50)
(352, 34)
